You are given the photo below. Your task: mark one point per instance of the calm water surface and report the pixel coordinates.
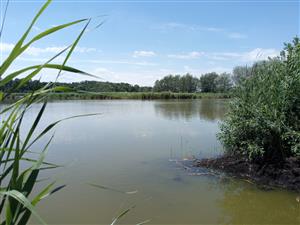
(129, 147)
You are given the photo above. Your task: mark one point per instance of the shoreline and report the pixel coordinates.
(128, 95)
(267, 176)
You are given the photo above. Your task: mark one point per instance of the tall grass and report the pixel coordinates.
(19, 170)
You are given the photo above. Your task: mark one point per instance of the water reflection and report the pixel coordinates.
(205, 109)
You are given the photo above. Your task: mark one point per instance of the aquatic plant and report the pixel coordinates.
(19, 167)
(263, 120)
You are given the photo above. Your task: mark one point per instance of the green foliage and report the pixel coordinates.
(263, 120)
(210, 82)
(223, 83)
(213, 82)
(19, 168)
(177, 83)
(240, 73)
(91, 86)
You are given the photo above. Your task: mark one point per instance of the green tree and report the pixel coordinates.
(223, 82)
(188, 83)
(208, 82)
(91, 86)
(177, 83)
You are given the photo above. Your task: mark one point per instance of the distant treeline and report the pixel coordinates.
(90, 86)
(136, 95)
(206, 83)
(209, 82)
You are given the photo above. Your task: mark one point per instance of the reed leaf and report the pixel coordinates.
(113, 189)
(19, 168)
(16, 50)
(13, 75)
(122, 214)
(24, 201)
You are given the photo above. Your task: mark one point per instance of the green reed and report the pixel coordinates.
(19, 170)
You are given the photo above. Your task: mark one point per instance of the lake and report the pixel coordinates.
(134, 145)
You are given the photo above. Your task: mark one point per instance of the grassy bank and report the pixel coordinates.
(137, 95)
(128, 95)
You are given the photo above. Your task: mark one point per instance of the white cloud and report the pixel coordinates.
(260, 54)
(36, 51)
(213, 29)
(187, 68)
(6, 47)
(223, 55)
(100, 70)
(197, 71)
(173, 25)
(256, 54)
(95, 61)
(84, 49)
(140, 77)
(190, 55)
(187, 27)
(89, 61)
(194, 27)
(235, 35)
(137, 54)
(36, 28)
(104, 73)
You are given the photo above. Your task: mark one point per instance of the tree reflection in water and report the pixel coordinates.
(205, 109)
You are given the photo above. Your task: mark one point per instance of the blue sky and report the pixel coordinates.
(142, 41)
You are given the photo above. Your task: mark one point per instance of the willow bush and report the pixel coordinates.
(263, 120)
(19, 168)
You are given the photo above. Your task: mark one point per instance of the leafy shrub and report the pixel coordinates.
(263, 119)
